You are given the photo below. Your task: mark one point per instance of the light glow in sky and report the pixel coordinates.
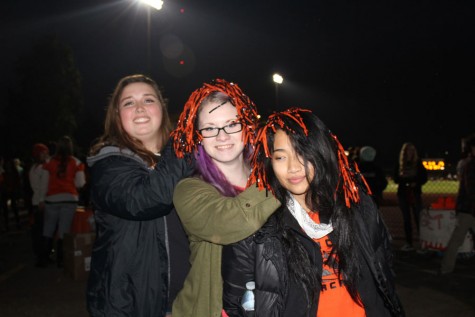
(157, 4)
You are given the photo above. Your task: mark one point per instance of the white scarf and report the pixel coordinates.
(312, 229)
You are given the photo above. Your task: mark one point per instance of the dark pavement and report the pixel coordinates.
(29, 291)
(48, 292)
(423, 293)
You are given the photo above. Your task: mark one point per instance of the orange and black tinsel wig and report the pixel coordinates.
(186, 137)
(293, 121)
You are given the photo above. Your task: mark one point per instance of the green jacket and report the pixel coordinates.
(211, 221)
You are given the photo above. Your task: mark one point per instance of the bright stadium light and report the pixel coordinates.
(156, 4)
(278, 79)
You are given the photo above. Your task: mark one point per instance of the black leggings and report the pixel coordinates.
(411, 210)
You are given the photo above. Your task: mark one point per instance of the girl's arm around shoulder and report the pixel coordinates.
(170, 170)
(208, 215)
(128, 189)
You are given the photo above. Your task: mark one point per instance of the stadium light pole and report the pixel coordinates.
(157, 5)
(278, 80)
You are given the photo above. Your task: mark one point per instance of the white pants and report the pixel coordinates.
(61, 215)
(464, 222)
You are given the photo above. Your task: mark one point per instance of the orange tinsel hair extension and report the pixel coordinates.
(347, 178)
(262, 150)
(186, 137)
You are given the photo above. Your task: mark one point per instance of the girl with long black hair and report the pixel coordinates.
(326, 251)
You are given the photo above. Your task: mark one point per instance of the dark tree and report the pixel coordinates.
(47, 98)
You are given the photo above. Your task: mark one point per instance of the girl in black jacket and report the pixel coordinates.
(327, 249)
(139, 258)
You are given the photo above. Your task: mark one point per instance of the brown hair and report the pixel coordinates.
(64, 152)
(114, 133)
(408, 161)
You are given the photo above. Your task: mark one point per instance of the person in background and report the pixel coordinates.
(218, 126)
(326, 251)
(2, 179)
(62, 175)
(19, 165)
(40, 154)
(354, 153)
(133, 173)
(465, 155)
(11, 193)
(410, 174)
(372, 173)
(465, 210)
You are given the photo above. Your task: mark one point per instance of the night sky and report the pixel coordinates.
(377, 73)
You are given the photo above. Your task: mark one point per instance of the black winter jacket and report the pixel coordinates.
(413, 183)
(466, 193)
(260, 258)
(129, 267)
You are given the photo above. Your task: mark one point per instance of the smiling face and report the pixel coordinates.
(224, 149)
(141, 114)
(289, 168)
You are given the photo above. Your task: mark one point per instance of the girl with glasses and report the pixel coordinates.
(218, 126)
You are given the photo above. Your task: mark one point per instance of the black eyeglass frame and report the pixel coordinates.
(219, 129)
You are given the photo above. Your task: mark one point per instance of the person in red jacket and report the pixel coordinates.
(63, 176)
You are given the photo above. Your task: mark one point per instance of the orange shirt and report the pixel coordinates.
(335, 301)
(58, 185)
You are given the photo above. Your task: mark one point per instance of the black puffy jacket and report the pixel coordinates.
(260, 258)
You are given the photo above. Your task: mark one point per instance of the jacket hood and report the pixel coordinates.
(108, 151)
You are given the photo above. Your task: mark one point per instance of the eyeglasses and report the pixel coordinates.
(231, 128)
